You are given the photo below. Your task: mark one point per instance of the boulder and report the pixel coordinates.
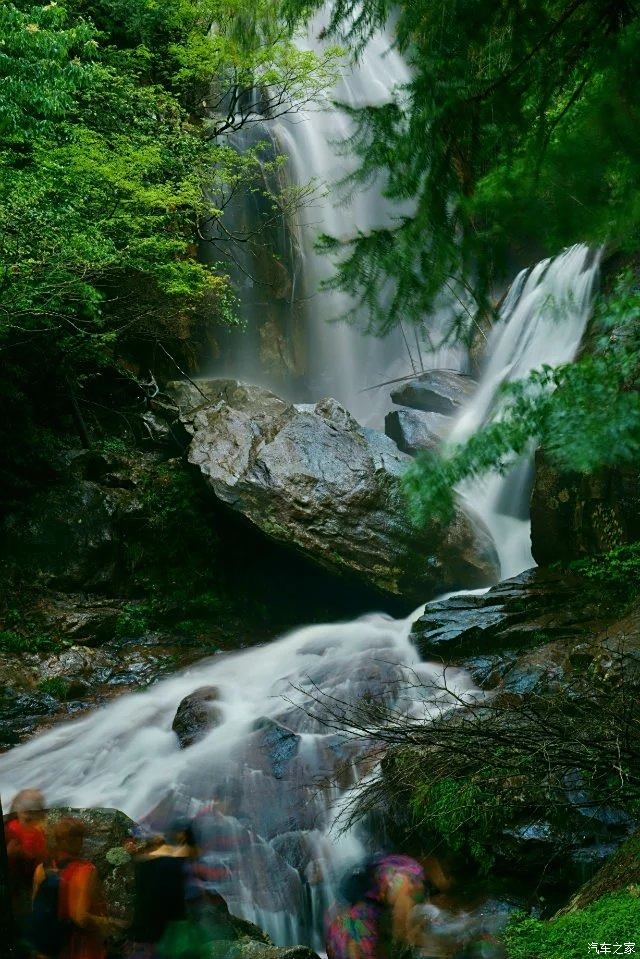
(619, 872)
(414, 431)
(313, 478)
(573, 514)
(529, 610)
(90, 621)
(197, 715)
(436, 391)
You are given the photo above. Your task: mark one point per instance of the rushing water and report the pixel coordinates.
(262, 784)
(542, 321)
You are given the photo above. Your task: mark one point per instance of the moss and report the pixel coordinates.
(613, 920)
(55, 686)
(464, 814)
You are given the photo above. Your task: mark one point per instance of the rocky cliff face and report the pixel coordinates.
(312, 477)
(573, 515)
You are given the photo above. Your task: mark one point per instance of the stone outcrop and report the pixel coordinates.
(312, 477)
(196, 716)
(436, 391)
(533, 607)
(414, 431)
(573, 515)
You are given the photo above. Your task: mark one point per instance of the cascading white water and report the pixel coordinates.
(542, 321)
(342, 359)
(338, 358)
(253, 783)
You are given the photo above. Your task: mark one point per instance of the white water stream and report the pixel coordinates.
(339, 359)
(542, 321)
(262, 783)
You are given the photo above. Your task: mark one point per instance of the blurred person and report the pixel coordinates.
(165, 925)
(377, 920)
(69, 916)
(26, 843)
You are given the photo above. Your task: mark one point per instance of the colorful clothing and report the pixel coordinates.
(393, 871)
(80, 902)
(354, 933)
(363, 930)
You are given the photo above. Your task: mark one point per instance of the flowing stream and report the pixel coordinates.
(264, 784)
(300, 331)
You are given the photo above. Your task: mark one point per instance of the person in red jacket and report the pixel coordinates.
(26, 842)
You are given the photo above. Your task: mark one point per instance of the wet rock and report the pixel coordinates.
(197, 715)
(573, 515)
(436, 391)
(278, 743)
(528, 610)
(79, 619)
(414, 431)
(254, 950)
(156, 428)
(619, 872)
(313, 478)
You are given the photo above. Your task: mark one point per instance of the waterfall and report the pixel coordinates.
(316, 353)
(265, 783)
(261, 785)
(541, 322)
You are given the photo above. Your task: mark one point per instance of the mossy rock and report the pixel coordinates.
(619, 872)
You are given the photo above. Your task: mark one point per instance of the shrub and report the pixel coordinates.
(619, 569)
(14, 642)
(613, 920)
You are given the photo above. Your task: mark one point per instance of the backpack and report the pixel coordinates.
(48, 932)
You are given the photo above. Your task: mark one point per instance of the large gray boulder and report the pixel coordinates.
(312, 477)
(197, 715)
(436, 391)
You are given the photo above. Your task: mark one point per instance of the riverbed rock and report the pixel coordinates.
(621, 871)
(197, 715)
(573, 515)
(414, 431)
(436, 391)
(313, 478)
(528, 610)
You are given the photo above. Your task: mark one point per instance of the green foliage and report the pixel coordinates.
(133, 621)
(112, 167)
(619, 569)
(463, 813)
(12, 641)
(55, 686)
(517, 133)
(613, 919)
(585, 414)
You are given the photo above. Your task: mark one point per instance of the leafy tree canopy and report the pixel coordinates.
(112, 162)
(517, 134)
